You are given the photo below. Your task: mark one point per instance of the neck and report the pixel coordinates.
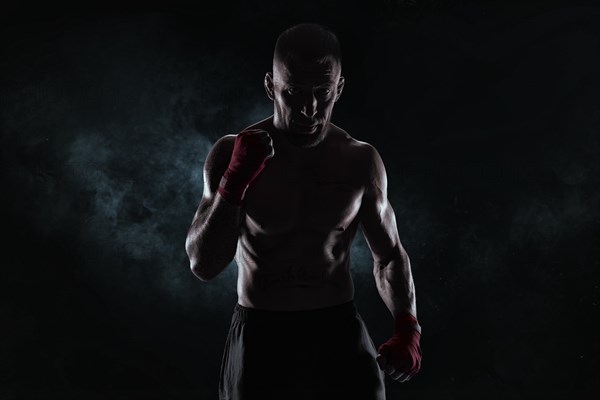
(299, 142)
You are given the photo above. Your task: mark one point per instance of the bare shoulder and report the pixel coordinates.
(365, 156)
(363, 152)
(265, 124)
(220, 151)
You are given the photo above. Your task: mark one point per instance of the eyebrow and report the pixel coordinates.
(326, 84)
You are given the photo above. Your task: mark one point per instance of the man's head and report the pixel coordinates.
(305, 83)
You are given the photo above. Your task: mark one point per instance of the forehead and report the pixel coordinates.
(307, 72)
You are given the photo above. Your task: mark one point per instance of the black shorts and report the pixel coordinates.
(325, 353)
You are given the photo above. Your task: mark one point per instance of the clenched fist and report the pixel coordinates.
(400, 356)
(251, 151)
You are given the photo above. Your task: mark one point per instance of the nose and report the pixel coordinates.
(309, 106)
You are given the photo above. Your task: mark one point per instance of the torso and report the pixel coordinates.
(299, 219)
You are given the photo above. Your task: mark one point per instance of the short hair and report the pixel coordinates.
(308, 42)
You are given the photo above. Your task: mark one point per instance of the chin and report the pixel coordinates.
(305, 139)
(299, 130)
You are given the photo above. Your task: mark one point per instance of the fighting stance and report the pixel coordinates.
(285, 197)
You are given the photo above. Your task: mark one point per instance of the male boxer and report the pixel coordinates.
(285, 197)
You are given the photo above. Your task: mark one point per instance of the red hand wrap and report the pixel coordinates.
(403, 349)
(248, 159)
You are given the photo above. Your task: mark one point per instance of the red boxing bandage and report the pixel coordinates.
(403, 349)
(249, 157)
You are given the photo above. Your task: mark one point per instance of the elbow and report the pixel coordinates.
(395, 257)
(193, 254)
(200, 273)
(203, 273)
(208, 269)
(200, 270)
(204, 264)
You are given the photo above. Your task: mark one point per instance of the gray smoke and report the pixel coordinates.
(108, 148)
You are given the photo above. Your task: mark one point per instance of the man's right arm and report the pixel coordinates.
(230, 168)
(213, 236)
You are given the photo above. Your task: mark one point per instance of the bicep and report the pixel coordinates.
(377, 217)
(378, 224)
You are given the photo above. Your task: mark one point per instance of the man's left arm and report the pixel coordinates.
(400, 356)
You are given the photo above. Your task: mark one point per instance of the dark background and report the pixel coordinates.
(486, 116)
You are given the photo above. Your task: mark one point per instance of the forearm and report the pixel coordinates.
(395, 284)
(212, 240)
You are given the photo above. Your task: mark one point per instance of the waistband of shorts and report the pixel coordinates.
(347, 309)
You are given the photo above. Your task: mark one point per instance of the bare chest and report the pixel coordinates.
(298, 195)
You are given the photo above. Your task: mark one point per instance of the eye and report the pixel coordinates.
(292, 91)
(324, 92)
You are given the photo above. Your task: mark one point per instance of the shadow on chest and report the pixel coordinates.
(322, 195)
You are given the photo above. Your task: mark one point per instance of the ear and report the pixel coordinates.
(340, 87)
(269, 85)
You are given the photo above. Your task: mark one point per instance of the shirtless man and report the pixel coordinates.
(285, 197)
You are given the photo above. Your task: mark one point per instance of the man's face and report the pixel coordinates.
(304, 93)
